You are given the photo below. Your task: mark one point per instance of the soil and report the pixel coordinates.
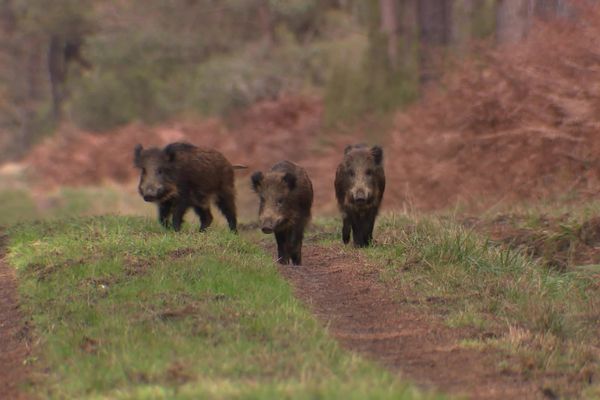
(345, 294)
(14, 337)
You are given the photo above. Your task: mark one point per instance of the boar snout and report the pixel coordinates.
(152, 193)
(361, 196)
(268, 225)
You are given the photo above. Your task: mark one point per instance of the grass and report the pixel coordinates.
(125, 310)
(567, 241)
(21, 204)
(546, 318)
(17, 205)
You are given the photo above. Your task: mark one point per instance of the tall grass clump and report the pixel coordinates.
(547, 319)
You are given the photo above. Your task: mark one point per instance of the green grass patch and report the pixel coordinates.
(125, 310)
(466, 317)
(23, 205)
(17, 206)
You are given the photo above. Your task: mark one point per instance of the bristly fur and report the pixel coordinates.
(256, 179)
(137, 155)
(183, 176)
(359, 187)
(286, 196)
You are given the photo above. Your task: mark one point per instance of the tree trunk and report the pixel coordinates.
(7, 17)
(409, 32)
(58, 74)
(512, 20)
(389, 26)
(514, 17)
(435, 31)
(266, 22)
(551, 8)
(32, 62)
(462, 25)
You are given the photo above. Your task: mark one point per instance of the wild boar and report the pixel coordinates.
(359, 187)
(286, 197)
(181, 176)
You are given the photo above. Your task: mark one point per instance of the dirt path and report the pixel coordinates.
(14, 348)
(346, 296)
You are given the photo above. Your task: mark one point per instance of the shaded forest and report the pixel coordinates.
(100, 65)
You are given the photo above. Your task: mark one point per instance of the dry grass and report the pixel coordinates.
(546, 319)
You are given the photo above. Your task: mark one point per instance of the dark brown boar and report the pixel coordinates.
(286, 197)
(181, 176)
(359, 187)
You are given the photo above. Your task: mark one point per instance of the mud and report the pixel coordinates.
(344, 293)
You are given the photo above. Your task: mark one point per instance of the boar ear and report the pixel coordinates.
(348, 148)
(137, 154)
(257, 179)
(170, 152)
(290, 179)
(377, 154)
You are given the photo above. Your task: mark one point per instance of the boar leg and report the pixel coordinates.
(295, 245)
(180, 208)
(226, 203)
(370, 225)
(346, 228)
(206, 217)
(164, 212)
(282, 255)
(359, 231)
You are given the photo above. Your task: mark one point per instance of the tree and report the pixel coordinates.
(514, 17)
(409, 32)
(389, 26)
(435, 32)
(512, 20)
(38, 42)
(64, 50)
(550, 8)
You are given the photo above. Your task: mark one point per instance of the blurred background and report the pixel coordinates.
(478, 103)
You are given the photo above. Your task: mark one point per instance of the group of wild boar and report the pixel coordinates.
(182, 176)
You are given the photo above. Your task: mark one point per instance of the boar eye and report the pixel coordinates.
(351, 172)
(159, 171)
(369, 172)
(279, 201)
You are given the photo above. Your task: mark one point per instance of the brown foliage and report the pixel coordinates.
(264, 133)
(510, 124)
(515, 123)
